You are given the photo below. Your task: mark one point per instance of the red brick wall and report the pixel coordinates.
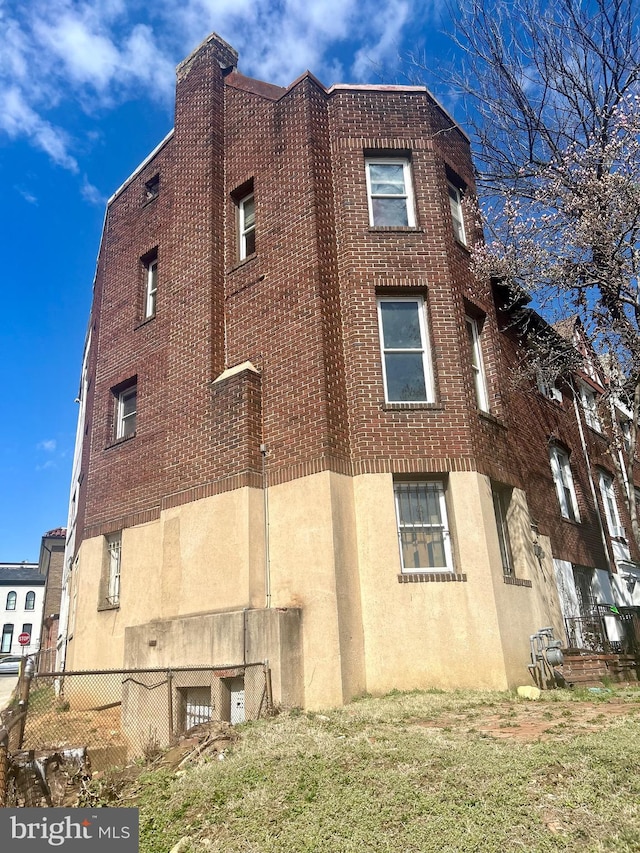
(302, 310)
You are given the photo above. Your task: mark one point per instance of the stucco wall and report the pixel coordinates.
(334, 559)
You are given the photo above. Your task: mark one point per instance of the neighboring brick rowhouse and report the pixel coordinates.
(260, 398)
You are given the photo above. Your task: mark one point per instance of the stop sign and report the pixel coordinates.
(24, 639)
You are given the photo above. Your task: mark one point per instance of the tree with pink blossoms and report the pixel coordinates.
(552, 92)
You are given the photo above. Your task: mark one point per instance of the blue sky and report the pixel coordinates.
(86, 92)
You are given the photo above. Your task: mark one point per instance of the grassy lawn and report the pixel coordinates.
(413, 773)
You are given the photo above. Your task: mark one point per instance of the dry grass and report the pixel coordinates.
(414, 773)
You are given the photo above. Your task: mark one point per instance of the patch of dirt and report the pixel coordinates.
(536, 721)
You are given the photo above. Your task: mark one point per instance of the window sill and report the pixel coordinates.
(403, 407)
(492, 419)
(242, 262)
(512, 581)
(431, 577)
(149, 201)
(120, 441)
(403, 229)
(144, 322)
(102, 607)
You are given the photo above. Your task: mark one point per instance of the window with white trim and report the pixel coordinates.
(406, 357)
(114, 553)
(150, 264)
(563, 479)
(457, 219)
(7, 638)
(30, 601)
(589, 402)
(126, 411)
(389, 192)
(548, 387)
(12, 597)
(247, 226)
(477, 365)
(501, 499)
(423, 532)
(608, 494)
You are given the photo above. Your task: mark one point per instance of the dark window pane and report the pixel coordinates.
(405, 377)
(389, 211)
(400, 325)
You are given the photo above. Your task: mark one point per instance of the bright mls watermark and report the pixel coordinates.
(69, 830)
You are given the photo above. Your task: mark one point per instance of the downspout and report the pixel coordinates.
(592, 485)
(267, 556)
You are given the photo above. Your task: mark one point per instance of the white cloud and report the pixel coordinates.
(49, 445)
(18, 118)
(95, 55)
(90, 193)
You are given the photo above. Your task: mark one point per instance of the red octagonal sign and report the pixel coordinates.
(24, 639)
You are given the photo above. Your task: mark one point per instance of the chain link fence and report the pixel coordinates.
(92, 720)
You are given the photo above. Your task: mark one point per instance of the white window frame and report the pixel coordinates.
(457, 217)
(151, 287)
(123, 420)
(608, 494)
(246, 231)
(30, 600)
(548, 389)
(114, 566)
(563, 479)
(407, 193)
(435, 487)
(477, 363)
(12, 600)
(424, 350)
(7, 637)
(588, 399)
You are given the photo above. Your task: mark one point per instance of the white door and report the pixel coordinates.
(236, 689)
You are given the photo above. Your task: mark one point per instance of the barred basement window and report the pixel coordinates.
(423, 532)
(113, 544)
(501, 500)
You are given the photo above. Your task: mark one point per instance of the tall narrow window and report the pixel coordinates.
(389, 193)
(477, 366)
(455, 202)
(590, 406)
(406, 362)
(150, 264)
(126, 410)
(247, 226)
(27, 628)
(561, 470)
(7, 638)
(501, 500)
(608, 493)
(30, 601)
(12, 597)
(423, 533)
(114, 551)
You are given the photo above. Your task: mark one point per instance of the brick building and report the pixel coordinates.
(298, 440)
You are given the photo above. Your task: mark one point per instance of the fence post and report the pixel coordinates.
(268, 686)
(24, 686)
(4, 766)
(170, 704)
